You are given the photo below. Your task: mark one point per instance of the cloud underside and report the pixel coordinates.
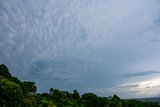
(87, 45)
(144, 73)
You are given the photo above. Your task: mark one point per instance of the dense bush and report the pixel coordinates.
(10, 93)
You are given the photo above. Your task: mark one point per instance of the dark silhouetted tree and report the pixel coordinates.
(29, 87)
(76, 95)
(4, 72)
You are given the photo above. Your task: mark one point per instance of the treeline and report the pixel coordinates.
(14, 93)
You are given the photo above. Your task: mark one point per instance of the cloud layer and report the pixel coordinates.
(87, 45)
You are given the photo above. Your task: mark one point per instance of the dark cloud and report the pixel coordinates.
(77, 44)
(142, 73)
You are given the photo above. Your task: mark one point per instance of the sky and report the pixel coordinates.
(102, 46)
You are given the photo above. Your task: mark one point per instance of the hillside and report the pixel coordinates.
(154, 99)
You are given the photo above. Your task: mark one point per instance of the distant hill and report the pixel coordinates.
(154, 99)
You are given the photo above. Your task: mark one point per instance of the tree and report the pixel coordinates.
(90, 100)
(14, 93)
(4, 72)
(119, 104)
(29, 87)
(76, 95)
(10, 92)
(115, 97)
(51, 90)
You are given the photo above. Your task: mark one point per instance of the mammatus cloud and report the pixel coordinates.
(82, 44)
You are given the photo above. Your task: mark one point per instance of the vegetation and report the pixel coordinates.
(14, 93)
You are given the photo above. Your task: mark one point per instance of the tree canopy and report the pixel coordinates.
(15, 93)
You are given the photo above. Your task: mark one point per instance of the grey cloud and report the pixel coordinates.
(85, 42)
(130, 86)
(155, 40)
(144, 73)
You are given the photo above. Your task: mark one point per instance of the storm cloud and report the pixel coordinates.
(81, 44)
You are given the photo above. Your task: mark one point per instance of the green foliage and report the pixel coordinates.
(90, 100)
(4, 72)
(115, 97)
(14, 93)
(29, 87)
(10, 92)
(76, 95)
